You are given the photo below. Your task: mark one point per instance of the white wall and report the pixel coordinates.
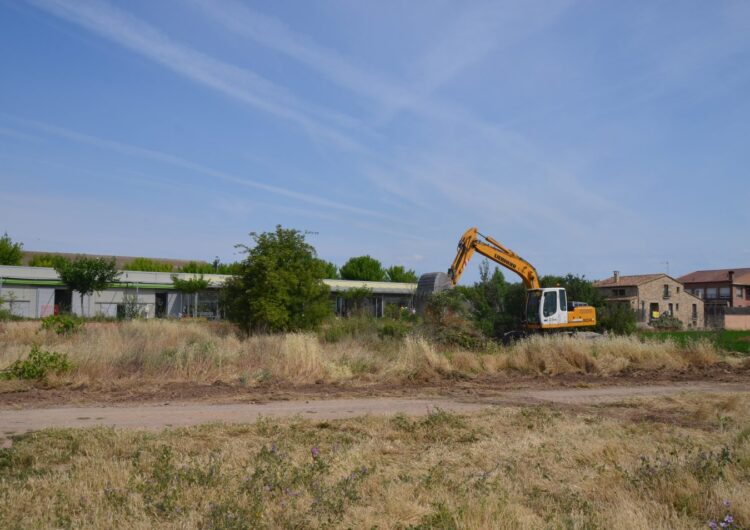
(21, 301)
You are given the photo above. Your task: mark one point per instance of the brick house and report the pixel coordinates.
(650, 295)
(719, 289)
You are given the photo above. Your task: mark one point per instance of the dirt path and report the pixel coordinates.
(173, 415)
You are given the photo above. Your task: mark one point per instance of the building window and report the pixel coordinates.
(725, 292)
(739, 291)
(678, 290)
(618, 292)
(671, 310)
(711, 292)
(677, 307)
(695, 312)
(666, 290)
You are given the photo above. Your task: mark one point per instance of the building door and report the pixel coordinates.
(160, 305)
(63, 301)
(653, 311)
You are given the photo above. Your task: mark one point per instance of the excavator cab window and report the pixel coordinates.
(563, 300)
(533, 300)
(550, 303)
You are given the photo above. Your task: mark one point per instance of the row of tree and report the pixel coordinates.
(364, 268)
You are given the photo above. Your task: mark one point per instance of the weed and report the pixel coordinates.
(38, 365)
(64, 324)
(440, 519)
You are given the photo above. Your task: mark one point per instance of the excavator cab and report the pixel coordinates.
(546, 308)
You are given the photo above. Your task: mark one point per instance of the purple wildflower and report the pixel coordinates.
(728, 519)
(712, 525)
(726, 503)
(315, 452)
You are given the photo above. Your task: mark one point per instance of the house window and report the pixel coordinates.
(698, 293)
(695, 312)
(738, 291)
(677, 307)
(671, 309)
(666, 290)
(618, 292)
(678, 290)
(711, 292)
(725, 292)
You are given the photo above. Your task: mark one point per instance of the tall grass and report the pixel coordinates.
(508, 468)
(162, 350)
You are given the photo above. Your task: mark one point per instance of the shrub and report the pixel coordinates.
(618, 319)
(447, 320)
(62, 324)
(38, 365)
(393, 330)
(666, 321)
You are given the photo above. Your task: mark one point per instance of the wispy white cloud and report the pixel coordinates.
(465, 40)
(176, 161)
(18, 135)
(238, 83)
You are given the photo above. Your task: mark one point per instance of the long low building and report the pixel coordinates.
(36, 292)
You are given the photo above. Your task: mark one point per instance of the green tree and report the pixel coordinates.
(578, 288)
(190, 286)
(47, 260)
(198, 267)
(229, 268)
(279, 287)
(87, 275)
(398, 273)
(147, 265)
(365, 268)
(10, 252)
(331, 270)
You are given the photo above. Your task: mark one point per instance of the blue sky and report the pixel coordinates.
(587, 136)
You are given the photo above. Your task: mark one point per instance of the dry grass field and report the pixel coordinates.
(658, 463)
(139, 352)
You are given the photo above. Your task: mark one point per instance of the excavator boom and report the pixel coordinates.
(488, 247)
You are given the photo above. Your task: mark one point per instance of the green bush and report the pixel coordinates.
(666, 322)
(38, 365)
(63, 324)
(393, 330)
(447, 320)
(618, 319)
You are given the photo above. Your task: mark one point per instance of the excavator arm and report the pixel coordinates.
(472, 241)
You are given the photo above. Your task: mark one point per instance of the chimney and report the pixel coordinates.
(617, 276)
(731, 277)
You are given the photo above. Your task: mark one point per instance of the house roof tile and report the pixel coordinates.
(628, 281)
(741, 275)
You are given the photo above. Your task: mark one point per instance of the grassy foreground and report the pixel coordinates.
(156, 351)
(534, 467)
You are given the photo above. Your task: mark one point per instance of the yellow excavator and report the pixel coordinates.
(547, 308)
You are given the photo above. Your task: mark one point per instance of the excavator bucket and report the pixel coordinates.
(432, 282)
